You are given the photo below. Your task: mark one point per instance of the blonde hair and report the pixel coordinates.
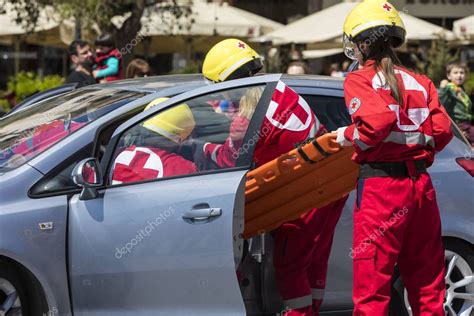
(248, 102)
(386, 63)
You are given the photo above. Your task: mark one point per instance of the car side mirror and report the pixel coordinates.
(87, 175)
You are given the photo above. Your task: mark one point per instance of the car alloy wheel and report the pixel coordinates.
(10, 304)
(459, 278)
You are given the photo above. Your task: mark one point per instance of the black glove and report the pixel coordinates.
(199, 157)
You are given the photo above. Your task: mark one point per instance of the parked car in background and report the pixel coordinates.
(43, 95)
(77, 243)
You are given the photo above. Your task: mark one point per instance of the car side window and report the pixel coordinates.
(201, 134)
(331, 111)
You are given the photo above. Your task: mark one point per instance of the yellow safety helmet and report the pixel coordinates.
(231, 59)
(371, 20)
(176, 123)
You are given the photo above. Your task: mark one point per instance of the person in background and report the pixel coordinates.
(108, 59)
(335, 71)
(345, 68)
(297, 68)
(456, 101)
(137, 68)
(82, 58)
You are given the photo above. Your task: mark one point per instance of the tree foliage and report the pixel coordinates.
(98, 12)
(25, 84)
(434, 64)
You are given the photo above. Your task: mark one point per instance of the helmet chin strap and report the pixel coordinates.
(354, 66)
(365, 56)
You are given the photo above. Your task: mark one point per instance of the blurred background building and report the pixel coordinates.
(178, 45)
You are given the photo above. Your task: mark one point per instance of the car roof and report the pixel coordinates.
(157, 83)
(154, 83)
(313, 81)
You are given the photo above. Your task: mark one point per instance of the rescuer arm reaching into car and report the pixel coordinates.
(302, 246)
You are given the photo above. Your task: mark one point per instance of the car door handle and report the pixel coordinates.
(203, 213)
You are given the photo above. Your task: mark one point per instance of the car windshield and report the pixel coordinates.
(29, 132)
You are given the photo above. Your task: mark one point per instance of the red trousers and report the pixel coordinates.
(302, 249)
(396, 221)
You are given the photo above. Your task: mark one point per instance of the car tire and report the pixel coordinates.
(17, 296)
(459, 256)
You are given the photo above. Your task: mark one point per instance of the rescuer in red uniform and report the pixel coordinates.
(398, 126)
(156, 155)
(302, 246)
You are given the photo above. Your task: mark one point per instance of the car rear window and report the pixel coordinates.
(331, 111)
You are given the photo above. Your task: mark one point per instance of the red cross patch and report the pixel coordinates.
(387, 7)
(137, 164)
(354, 105)
(241, 45)
(284, 111)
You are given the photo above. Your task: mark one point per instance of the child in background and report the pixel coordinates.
(108, 59)
(456, 101)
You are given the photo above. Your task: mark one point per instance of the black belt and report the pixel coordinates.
(412, 168)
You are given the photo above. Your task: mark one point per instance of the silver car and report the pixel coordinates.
(73, 242)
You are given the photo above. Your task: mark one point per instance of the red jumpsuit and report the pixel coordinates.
(302, 246)
(144, 163)
(396, 218)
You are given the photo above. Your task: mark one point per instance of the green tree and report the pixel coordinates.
(434, 65)
(99, 12)
(25, 84)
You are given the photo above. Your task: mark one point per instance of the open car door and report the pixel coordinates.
(168, 244)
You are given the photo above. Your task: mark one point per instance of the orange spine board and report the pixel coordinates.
(262, 180)
(288, 186)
